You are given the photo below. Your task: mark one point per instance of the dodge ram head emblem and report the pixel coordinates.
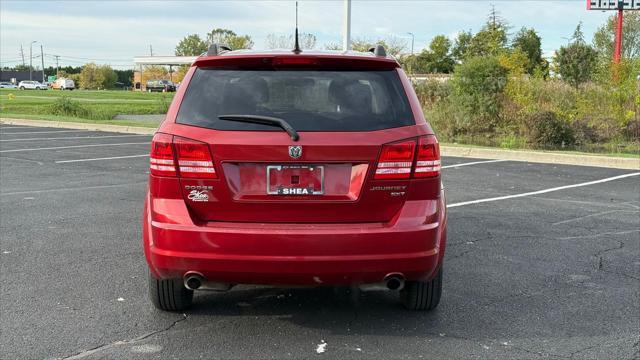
(295, 151)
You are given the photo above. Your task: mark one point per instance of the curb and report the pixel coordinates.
(543, 157)
(81, 126)
(460, 151)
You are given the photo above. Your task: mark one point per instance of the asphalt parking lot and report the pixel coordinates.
(543, 261)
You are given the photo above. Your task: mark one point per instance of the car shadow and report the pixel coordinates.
(340, 310)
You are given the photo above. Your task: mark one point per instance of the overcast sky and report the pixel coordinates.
(114, 32)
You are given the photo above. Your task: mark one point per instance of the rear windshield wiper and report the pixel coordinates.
(265, 120)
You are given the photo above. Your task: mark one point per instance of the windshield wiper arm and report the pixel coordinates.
(265, 120)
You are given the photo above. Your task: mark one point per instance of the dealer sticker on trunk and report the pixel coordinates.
(198, 196)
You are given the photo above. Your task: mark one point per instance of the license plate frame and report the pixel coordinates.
(280, 191)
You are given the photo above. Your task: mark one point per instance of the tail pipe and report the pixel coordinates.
(394, 281)
(193, 280)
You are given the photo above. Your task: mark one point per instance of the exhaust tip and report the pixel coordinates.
(193, 281)
(394, 281)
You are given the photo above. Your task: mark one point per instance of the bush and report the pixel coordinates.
(584, 133)
(67, 107)
(432, 91)
(546, 129)
(478, 85)
(64, 106)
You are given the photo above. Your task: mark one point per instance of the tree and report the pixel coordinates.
(229, 38)
(154, 72)
(393, 45)
(125, 77)
(490, 41)
(603, 40)
(307, 41)
(191, 45)
(515, 61)
(440, 49)
(99, 77)
(461, 47)
(528, 41)
(436, 58)
(576, 63)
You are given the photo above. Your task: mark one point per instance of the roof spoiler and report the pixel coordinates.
(378, 50)
(217, 49)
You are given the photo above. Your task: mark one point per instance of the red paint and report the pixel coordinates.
(360, 229)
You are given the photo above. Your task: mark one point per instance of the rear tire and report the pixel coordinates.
(422, 295)
(169, 294)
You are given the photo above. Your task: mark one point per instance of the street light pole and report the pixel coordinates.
(31, 60)
(346, 35)
(413, 38)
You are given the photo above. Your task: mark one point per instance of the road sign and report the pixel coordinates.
(613, 4)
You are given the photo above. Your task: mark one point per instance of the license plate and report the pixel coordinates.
(295, 180)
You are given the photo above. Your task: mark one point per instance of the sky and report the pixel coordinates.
(114, 31)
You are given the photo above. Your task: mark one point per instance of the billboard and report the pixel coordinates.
(613, 4)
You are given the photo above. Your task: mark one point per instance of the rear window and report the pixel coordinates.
(309, 100)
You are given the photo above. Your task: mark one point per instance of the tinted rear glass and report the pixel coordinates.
(309, 100)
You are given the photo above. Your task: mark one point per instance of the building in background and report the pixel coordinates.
(16, 76)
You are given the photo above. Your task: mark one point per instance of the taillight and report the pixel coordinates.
(396, 160)
(161, 157)
(194, 159)
(428, 160)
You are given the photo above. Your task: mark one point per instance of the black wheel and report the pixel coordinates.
(169, 294)
(21, 87)
(422, 295)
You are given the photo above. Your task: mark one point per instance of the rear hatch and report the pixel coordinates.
(338, 171)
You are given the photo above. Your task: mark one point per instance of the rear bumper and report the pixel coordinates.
(297, 254)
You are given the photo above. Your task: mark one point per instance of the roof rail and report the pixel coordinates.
(217, 49)
(378, 50)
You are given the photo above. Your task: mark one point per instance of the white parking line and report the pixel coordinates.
(104, 158)
(473, 163)
(71, 147)
(74, 137)
(41, 132)
(542, 191)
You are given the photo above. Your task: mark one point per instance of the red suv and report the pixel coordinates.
(283, 168)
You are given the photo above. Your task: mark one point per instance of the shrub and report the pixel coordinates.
(432, 91)
(64, 106)
(584, 133)
(478, 85)
(546, 129)
(67, 107)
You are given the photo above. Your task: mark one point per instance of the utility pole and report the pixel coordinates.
(31, 60)
(151, 49)
(57, 71)
(413, 38)
(42, 58)
(346, 35)
(22, 54)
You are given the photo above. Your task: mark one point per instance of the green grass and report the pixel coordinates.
(97, 106)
